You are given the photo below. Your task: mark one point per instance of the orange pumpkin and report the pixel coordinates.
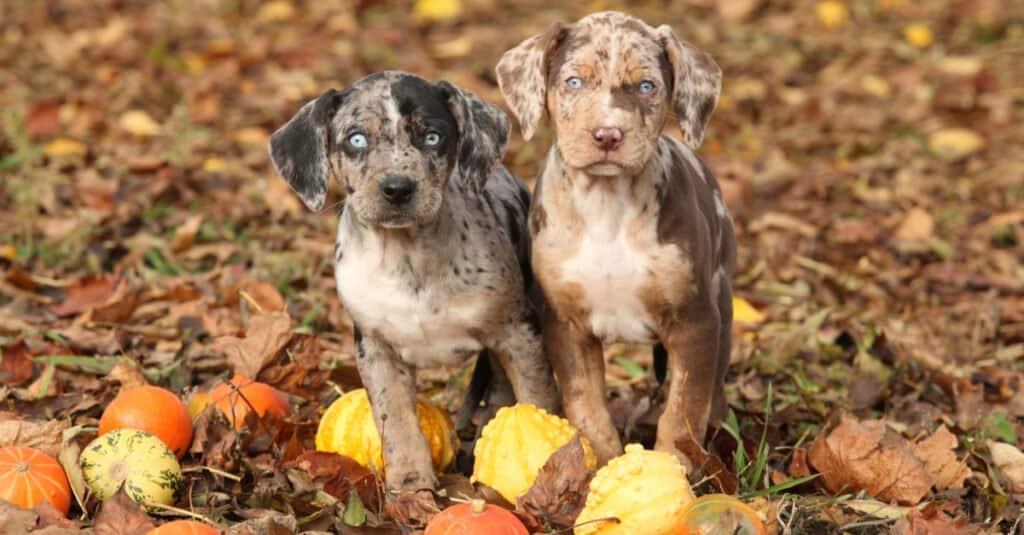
(29, 476)
(154, 410)
(475, 517)
(244, 394)
(183, 527)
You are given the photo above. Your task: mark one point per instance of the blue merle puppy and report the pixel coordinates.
(431, 258)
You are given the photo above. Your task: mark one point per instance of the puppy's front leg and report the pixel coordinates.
(579, 366)
(391, 386)
(693, 368)
(520, 352)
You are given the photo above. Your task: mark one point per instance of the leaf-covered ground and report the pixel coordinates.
(872, 155)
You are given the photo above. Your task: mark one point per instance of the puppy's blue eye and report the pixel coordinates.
(358, 141)
(432, 139)
(574, 83)
(646, 86)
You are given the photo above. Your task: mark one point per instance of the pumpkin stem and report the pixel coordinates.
(21, 467)
(477, 506)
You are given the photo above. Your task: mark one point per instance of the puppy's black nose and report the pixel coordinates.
(397, 189)
(607, 137)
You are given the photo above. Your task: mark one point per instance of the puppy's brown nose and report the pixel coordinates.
(607, 137)
(397, 189)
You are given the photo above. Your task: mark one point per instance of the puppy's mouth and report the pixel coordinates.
(396, 221)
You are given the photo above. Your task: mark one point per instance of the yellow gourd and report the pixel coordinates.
(645, 490)
(348, 428)
(135, 460)
(516, 443)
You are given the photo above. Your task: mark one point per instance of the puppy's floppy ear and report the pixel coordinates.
(483, 133)
(300, 149)
(522, 77)
(696, 85)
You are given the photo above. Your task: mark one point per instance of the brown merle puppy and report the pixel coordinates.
(652, 243)
(431, 259)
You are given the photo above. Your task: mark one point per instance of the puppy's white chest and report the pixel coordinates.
(424, 326)
(614, 266)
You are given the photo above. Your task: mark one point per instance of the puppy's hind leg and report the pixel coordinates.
(719, 404)
(521, 355)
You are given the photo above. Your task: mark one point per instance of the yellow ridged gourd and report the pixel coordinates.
(348, 428)
(646, 490)
(516, 443)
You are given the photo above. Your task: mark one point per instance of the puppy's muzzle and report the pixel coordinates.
(607, 138)
(397, 189)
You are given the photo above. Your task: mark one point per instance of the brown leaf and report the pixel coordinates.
(940, 460)
(215, 440)
(710, 464)
(339, 475)
(560, 490)
(185, 235)
(263, 295)
(44, 436)
(50, 516)
(412, 509)
(868, 456)
(929, 521)
(15, 366)
(120, 515)
(1010, 462)
(14, 519)
(265, 335)
(85, 293)
(43, 119)
(128, 374)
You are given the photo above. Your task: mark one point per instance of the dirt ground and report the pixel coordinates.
(871, 153)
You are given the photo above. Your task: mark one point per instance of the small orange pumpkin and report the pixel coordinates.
(154, 410)
(183, 527)
(29, 476)
(243, 395)
(475, 518)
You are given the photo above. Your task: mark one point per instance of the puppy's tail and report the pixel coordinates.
(660, 363)
(479, 383)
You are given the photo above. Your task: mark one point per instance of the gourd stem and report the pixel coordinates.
(477, 506)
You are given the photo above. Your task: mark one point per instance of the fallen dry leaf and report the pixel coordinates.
(431, 10)
(929, 521)
(744, 312)
(1010, 462)
(185, 235)
(412, 509)
(15, 366)
(139, 123)
(265, 335)
(46, 436)
(955, 143)
(918, 35)
(87, 292)
(64, 147)
(937, 452)
(917, 226)
(736, 10)
(869, 456)
(338, 475)
(560, 490)
(14, 519)
(120, 515)
(832, 14)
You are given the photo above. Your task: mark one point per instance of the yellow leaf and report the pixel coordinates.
(139, 123)
(275, 11)
(918, 35)
(437, 9)
(214, 165)
(955, 143)
(744, 312)
(875, 86)
(832, 14)
(64, 147)
(8, 251)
